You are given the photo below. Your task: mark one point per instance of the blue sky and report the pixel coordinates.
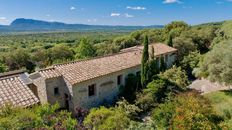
(117, 12)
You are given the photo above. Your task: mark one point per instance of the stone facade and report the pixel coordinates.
(106, 89)
(92, 82)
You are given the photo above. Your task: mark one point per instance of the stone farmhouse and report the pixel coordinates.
(85, 83)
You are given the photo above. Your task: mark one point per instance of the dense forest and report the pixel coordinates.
(204, 51)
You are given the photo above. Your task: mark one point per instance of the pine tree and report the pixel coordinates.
(85, 49)
(144, 63)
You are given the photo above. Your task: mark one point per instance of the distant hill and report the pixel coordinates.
(31, 25)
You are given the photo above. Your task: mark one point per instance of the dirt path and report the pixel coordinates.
(205, 86)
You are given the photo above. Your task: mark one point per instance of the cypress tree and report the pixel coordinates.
(144, 63)
(163, 65)
(170, 43)
(152, 53)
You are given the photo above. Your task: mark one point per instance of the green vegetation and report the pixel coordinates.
(217, 64)
(44, 49)
(176, 76)
(203, 51)
(115, 118)
(222, 102)
(144, 63)
(62, 47)
(186, 111)
(85, 49)
(39, 117)
(165, 93)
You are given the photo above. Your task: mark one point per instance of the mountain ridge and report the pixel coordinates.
(32, 25)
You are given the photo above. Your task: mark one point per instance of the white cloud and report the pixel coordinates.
(136, 8)
(92, 20)
(72, 8)
(121, 15)
(115, 14)
(48, 15)
(2, 18)
(128, 15)
(171, 1)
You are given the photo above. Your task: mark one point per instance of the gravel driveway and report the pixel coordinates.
(205, 86)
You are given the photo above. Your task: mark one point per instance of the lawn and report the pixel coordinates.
(222, 103)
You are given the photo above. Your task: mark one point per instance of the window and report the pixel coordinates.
(138, 73)
(56, 91)
(91, 90)
(119, 80)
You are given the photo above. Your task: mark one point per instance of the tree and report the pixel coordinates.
(38, 117)
(176, 24)
(3, 68)
(125, 42)
(107, 118)
(85, 49)
(184, 46)
(176, 28)
(163, 65)
(152, 55)
(226, 29)
(217, 64)
(144, 65)
(177, 76)
(153, 69)
(131, 85)
(170, 43)
(155, 92)
(42, 58)
(18, 60)
(190, 62)
(61, 52)
(181, 113)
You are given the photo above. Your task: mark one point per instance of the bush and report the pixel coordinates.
(176, 76)
(155, 93)
(131, 85)
(38, 117)
(106, 118)
(217, 64)
(191, 61)
(194, 112)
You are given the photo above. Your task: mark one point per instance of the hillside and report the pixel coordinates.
(31, 25)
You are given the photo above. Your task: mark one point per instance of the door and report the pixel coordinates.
(66, 97)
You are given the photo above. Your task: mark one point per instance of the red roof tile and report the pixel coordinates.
(79, 71)
(13, 90)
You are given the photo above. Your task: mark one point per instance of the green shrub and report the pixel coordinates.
(38, 117)
(181, 113)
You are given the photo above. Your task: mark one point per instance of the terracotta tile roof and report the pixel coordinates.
(88, 69)
(49, 73)
(13, 90)
(83, 70)
(159, 48)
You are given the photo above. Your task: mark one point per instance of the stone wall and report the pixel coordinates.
(106, 90)
(63, 90)
(41, 89)
(171, 59)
